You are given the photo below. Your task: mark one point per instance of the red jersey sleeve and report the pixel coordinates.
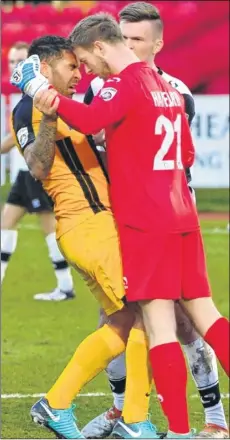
(110, 106)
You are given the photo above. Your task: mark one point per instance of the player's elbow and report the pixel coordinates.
(88, 125)
(88, 128)
(39, 167)
(38, 170)
(38, 173)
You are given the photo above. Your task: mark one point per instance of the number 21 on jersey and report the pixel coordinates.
(172, 130)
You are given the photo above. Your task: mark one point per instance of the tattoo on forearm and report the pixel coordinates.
(40, 155)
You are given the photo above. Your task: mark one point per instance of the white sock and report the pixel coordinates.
(203, 366)
(61, 268)
(8, 246)
(215, 415)
(116, 372)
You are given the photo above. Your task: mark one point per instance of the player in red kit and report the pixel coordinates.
(142, 29)
(148, 145)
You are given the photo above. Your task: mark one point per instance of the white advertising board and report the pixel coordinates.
(210, 130)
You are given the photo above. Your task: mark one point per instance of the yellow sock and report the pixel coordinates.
(91, 357)
(138, 378)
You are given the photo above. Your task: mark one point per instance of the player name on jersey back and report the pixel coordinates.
(150, 192)
(166, 99)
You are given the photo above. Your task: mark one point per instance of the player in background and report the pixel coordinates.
(164, 219)
(142, 29)
(28, 196)
(72, 173)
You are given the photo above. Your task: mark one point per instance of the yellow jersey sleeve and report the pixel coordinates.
(25, 122)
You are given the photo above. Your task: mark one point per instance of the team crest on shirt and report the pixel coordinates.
(173, 84)
(16, 76)
(114, 79)
(108, 93)
(36, 203)
(22, 136)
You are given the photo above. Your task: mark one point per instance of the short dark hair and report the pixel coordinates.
(50, 46)
(100, 26)
(140, 11)
(20, 45)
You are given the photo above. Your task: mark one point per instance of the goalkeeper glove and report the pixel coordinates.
(27, 77)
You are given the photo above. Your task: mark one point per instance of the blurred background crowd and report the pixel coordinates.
(196, 35)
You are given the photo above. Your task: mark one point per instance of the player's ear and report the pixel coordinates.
(159, 44)
(45, 69)
(99, 48)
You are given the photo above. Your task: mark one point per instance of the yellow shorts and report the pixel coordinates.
(92, 248)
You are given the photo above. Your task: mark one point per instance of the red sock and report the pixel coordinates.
(170, 377)
(218, 337)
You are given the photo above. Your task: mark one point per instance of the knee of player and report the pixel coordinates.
(47, 221)
(159, 330)
(138, 323)
(122, 322)
(11, 215)
(186, 332)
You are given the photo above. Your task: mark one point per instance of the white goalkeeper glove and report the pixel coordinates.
(27, 77)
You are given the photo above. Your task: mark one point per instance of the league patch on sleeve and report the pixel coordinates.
(174, 84)
(114, 79)
(108, 93)
(23, 136)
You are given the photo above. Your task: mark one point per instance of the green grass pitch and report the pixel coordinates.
(39, 338)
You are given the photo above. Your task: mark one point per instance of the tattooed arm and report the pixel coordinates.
(39, 155)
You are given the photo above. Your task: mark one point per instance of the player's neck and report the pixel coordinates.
(152, 64)
(122, 58)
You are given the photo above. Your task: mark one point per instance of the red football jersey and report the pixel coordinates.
(148, 145)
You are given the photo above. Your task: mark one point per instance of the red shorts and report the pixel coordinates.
(163, 267)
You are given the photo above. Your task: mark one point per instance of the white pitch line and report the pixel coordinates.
(29, 227)
(28, 396)
(214, 231)
(218, 231)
